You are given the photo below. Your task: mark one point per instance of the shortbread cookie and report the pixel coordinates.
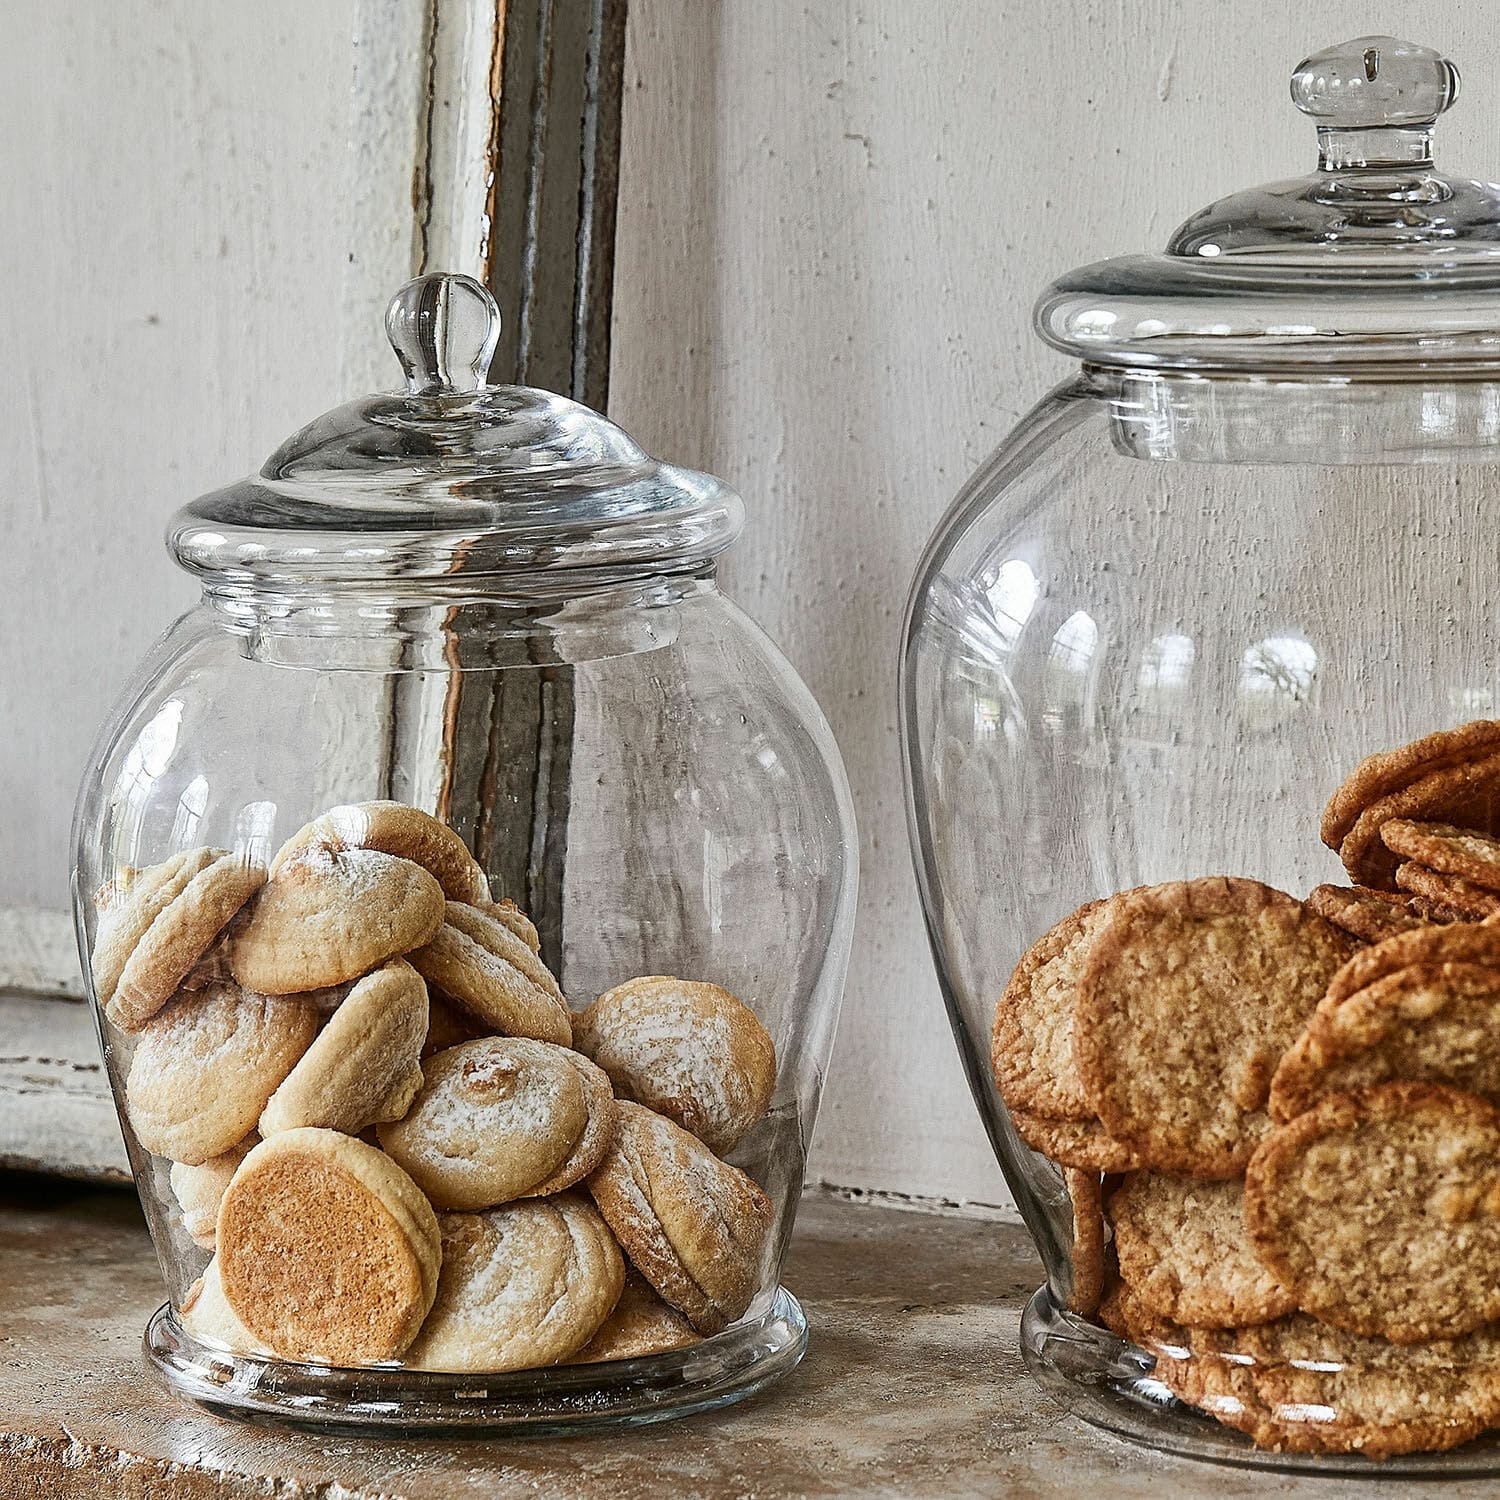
(365, 1067)
(209, 1318)
(1085, 1194)
(328, 916)
(1185, 1253)
(182, 931)
(477, 961)
(502, 1118)
(1473, 902)
(1427, 1023)
(205, 1066)
(1460, 852)
(1191, 993)
(641, 1324)
(1084, 1144)
(1371, 916)
(690, 1051)
(1466, 795)
(1031, 1045)
(394, 828)
(327, 1249)
(200, 1189)
(129, 904)
(695, 1227)
(1380, 1210)
(1389, 771)
(1462, 944)
(447, 1026)
(522, 1286)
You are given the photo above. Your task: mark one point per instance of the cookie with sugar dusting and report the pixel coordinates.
(364, 1067)
(694, 1226)
(501, 1118)
(689, 1050)
(200, 1189)
(478, 961)
(394, 828)
(641, 1324)
(186, 916)
(208, 1317)
(206, 1064)
(331, 915)
(523, 1285)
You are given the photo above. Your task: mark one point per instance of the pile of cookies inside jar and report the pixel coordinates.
(1277, 1120)
(392, 1136)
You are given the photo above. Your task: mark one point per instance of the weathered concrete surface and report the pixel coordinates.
(912, 1388)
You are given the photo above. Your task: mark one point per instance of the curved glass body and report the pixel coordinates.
(697, 823)
(1149, 639)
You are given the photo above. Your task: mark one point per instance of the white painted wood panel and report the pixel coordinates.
(834, 220)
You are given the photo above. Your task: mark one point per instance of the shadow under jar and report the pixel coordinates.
(1250, 543)
(397, 1176)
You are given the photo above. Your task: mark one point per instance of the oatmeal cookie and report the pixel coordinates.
(1371, 916)
(1448, 892)
(1460, 852)
(1084, 1144)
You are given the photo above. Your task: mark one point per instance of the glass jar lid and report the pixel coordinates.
(456, 476)
(1376, 259)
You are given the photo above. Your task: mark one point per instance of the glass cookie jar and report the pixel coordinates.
(465, 889)
(1247, 545)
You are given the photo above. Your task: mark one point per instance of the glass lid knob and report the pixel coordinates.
(444, 329)
(1375, 100)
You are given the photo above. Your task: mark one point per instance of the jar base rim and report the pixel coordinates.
(554, 1401)
(1108, 1383)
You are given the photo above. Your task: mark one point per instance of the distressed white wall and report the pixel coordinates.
(834, 221)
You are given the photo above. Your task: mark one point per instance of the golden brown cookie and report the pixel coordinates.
(1389, 771)
(516, 919)
(501, 1118)
(394, 828)
(1460, 852)
(695, 1227)
(205, 1066)
(1084, 1144)
(183, 929)
(1451, 892)
(1437, 911)
(1462, 943)
(1085, 1194)
(328, 916)
(522, 1286)
(210, 1319)
(327, 1249)
(1185, 1254)
(1371, 916)
(447, 1026)
(200, 1189)
(1466, 795)
(1380, 1210)
(1191, 993)
(641, 1324)
(129, 904)
(364, 1067)
(477, 961)
(1031, 1044)
(1426, 1023)
(690, 1051)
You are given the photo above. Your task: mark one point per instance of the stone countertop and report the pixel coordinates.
(912, 1387)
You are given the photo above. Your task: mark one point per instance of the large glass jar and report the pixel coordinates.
(1248, 544)
(462, 685)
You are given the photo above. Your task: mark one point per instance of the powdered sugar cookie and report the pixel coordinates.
(502, 1118)
(1380, 1210)
(694, 1226)
(641, 1324)
(690, 1051)
(200, 1189)
(327, 1250)
(209, 1318)
(364, 1066)
(205, 1066)
(181, 932)
(328, 916)
(477, 961)
(394, 828)
(521, 1286)
(511, 915)
(447, 1026)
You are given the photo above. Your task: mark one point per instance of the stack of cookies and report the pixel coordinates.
(393, 1133)
(1278, 1122)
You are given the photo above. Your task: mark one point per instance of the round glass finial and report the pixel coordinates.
(444, 329)
(1374, 83)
